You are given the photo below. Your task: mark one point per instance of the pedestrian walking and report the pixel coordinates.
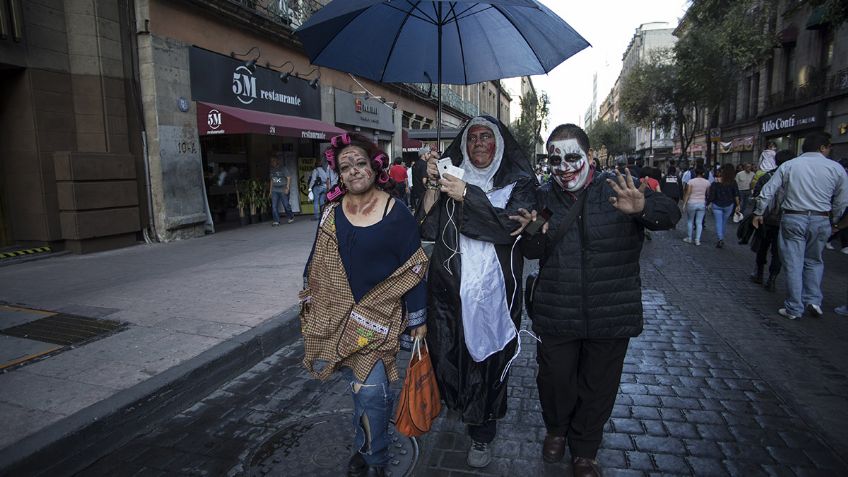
(671, 184)
(695, 205)
(765, 238)
(474, 280)
(587, 300)
(723, 199)
(279, 188)
(815, 188)
(363, 287)
(320, 182)
(398, 174)
(418, 171)
(743, 183)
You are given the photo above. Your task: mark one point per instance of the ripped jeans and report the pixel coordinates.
(372, 410)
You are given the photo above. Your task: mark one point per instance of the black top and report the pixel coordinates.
(723, 195)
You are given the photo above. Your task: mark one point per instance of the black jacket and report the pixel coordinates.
(589, 285)
(471, 388)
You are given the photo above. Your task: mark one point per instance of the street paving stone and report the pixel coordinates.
(717, 384)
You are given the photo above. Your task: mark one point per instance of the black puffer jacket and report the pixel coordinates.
(589, 284)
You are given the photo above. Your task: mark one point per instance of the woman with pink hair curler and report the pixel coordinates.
(364, 292)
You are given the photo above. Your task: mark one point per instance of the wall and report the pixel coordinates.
(67, 96)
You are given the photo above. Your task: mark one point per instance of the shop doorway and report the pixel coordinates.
(236, 170)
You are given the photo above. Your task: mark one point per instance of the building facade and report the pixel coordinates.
(802, 87)
(652, 144)
(127, 120)
(71, 168)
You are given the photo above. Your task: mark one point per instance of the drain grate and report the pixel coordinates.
(64, 329)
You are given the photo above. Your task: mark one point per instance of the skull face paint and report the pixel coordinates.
(569, 164)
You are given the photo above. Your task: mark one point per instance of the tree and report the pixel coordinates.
(613, 135)
(527, 129)
(655, 94)
(720, 40)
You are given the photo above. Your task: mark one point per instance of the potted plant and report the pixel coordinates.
(254, 197)
(264, 203)
(242, 199)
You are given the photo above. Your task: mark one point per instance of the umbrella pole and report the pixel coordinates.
(439, 80)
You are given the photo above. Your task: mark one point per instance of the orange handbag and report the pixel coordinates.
(419, 403)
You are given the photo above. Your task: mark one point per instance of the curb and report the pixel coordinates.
(78, 440)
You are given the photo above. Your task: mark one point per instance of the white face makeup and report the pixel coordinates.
(569, 164)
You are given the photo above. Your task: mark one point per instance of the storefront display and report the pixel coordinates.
(245, 116)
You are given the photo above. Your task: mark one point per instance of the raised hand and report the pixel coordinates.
(629, 199)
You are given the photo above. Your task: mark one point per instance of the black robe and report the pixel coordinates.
(474, 389)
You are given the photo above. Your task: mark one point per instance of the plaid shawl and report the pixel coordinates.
(341, 332)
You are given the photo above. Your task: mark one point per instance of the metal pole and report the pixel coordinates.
(439, 76)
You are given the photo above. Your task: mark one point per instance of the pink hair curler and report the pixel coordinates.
(335, 193)
(381, 160)
(384, 178)
(340, 140)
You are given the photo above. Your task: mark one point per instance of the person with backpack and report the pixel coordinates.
(765, 238)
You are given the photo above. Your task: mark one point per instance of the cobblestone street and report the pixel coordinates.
(717, 384)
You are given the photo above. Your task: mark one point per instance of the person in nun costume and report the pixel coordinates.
(474, 283)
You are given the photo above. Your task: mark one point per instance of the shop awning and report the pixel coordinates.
(410, 145)
(214, 119)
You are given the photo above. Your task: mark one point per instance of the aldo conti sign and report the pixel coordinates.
(223, 80)
(794, 120)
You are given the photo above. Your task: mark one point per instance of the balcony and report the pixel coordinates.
(817, 86)
(449, 98)
(290, 13)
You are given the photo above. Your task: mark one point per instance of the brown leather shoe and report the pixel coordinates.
(553, 449)
(585, 467)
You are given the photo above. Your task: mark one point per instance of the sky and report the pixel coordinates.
(608, 25)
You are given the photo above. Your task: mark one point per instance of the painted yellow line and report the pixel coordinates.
(27, 310)
(28, 358)
(20, 253)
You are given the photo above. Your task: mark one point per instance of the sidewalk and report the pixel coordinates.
(216, 301)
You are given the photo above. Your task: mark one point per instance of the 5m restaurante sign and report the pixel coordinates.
(223, 80)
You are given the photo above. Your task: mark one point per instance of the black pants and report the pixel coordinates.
(768, 243)
(484, 432)
(578, 381)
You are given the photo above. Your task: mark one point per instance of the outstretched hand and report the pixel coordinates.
(524, 218)
(628, 198)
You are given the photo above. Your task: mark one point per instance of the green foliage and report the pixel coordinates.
(614, 135)
(527, 128)
(657, 93)
(720, 40)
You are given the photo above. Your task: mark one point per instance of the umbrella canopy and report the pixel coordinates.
(454, 42)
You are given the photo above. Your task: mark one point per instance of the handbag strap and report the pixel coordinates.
(569, 218)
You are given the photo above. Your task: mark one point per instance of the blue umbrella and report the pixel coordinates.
(462, 42)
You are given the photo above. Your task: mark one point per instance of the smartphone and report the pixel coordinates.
(541, 218)
(446, 167)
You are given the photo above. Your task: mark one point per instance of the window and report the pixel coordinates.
(788, 68)
(754, 104)
(828, 40)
